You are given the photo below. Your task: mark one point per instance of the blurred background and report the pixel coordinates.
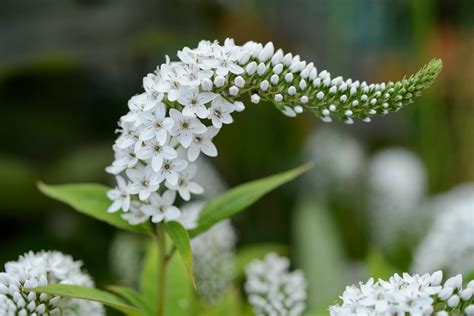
(67, 69)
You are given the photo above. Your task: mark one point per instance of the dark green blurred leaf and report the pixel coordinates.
(180, 238)
(133, 297)
(240, 197)
(249, 253)
(89, 294)
(90, 199)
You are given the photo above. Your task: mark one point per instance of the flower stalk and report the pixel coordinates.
(162, 260)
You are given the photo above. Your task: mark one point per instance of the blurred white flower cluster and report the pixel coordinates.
(272, 289)
(338, 159)
(185, 104)
(397, 188)
(449, 245)
(213, 254)
(408, 295)
(39, 269)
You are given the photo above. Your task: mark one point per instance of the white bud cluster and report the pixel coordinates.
(40, 269)
(213, 254)
(449, 245)
(272, 289)
(185, 104)
(397, 187)
(408, 295)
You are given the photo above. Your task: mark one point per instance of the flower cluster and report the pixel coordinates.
(408, 295)
(185, 103)
(272, 289)
(449, 245)
(397, 187)
(39, 269)
(213, 254)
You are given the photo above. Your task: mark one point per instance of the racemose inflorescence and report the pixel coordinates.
(185, 103)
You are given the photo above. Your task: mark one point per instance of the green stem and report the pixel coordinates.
(160, 235)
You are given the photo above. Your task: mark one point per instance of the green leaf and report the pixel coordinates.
(149, 276)
(180, 237)
(90, 199)
(319, 253)
(133, 297)
(240, 197)
(249, 253)
(179, 292)
(178, 289)
(89, 294)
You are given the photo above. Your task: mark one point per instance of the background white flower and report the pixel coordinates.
(396, 189)
(449, 245)
(38, 269)
(272, 289)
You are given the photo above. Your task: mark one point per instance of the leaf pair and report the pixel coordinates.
(91, 199)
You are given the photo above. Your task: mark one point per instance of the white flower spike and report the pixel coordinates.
(185, 98)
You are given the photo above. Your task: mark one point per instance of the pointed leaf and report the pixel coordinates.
(89, 294)
(179, 292)
(133, 297)
(180, 237)
(241, 197)
(90, 199)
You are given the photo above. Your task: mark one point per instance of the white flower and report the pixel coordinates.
(120, 196)
(225, 60)
(157, 153)
(161, 207)
(40, 269)
(185, 186)
(170, 81)
(156, 125)
(144, 182)
(195, 102)
(272, 289)
(135, 216)
(203, 143)
(220, 111)
(124, 158)
(170, 170)
(185, 127)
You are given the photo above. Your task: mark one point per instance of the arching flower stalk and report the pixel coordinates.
(41, 269)
(185, 104)
(408, 295)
